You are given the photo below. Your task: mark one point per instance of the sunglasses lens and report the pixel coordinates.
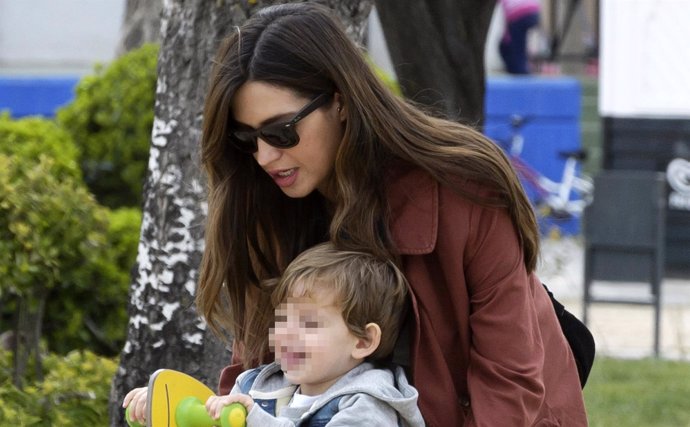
(245, 141)
(280, 135)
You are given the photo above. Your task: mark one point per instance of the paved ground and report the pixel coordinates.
(619, 330)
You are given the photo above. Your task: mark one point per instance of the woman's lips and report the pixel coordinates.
(285, 178)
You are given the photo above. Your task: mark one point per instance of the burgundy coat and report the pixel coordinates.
(487, 348)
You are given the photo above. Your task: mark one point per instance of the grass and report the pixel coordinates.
(631, 393)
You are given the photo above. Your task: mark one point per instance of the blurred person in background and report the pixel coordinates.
(520, 17)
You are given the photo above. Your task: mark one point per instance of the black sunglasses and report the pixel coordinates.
(279, 135)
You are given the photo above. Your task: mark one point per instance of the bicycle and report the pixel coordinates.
(555, 202)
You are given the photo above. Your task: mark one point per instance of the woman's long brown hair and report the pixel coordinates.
(253, 230)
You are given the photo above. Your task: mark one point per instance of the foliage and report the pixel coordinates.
(123, 236)
(49, 225)
(100, 325)
(110, 120)
(33, 136)
(75, 392)
(38, 166)
(58, 246)
(632, 393)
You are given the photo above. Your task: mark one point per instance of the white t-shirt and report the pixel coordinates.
(302, 400)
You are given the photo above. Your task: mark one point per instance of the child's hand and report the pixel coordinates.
(136, 399)
(215, 404)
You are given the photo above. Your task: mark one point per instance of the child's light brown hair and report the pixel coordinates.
(365, 288)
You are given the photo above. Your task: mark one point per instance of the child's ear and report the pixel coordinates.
(365, 346)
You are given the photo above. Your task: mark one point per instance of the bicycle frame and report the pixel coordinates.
(562, 199)
(557, 195)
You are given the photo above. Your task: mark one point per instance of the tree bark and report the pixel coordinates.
(21, 342)
(164, 330)
(141, 24)
(437, 49)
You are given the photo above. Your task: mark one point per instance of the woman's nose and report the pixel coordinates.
(266, 153)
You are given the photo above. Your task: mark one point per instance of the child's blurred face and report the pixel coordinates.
(312, 342)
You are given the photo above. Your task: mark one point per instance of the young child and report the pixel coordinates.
(337, 319)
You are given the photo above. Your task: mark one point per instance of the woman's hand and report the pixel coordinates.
(136, 400)
(215, 404)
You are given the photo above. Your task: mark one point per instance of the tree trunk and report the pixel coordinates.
(437, 49)
(141, 24)
(27, 335)
(37, 332)
(21, 350)
(164, 330)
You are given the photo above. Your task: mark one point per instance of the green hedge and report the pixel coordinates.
(100, 325)
(110, 120)
(30, 137)
(75, 392)
(50, 225)
(58, 245)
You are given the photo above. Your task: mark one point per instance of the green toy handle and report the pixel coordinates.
(191, 412)
(130, 422)
(233, 415)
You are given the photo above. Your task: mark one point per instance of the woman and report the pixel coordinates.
(302, 144)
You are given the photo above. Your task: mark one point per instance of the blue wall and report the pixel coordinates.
(551, 107)
(25, 96)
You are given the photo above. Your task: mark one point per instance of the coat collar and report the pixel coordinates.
(413, 203)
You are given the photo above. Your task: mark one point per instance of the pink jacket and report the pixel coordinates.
(487, 349)
(516, 9)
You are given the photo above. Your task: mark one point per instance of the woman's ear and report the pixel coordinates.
(365, 346)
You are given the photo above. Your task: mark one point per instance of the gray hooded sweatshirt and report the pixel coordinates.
(368, 397)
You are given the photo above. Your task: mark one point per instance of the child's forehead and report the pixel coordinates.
(311, 289)
(307, 302)
(312, 298)
(301, 304)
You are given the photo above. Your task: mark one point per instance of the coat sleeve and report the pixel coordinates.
(257, 417)
(363, 410)
(506, 354)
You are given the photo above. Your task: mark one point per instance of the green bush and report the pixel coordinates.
(110, 120)
(75, 391)
(58, 245)
(50, 226)
(32, 136)
(100, 325)
(50, 229)
(123, 237)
